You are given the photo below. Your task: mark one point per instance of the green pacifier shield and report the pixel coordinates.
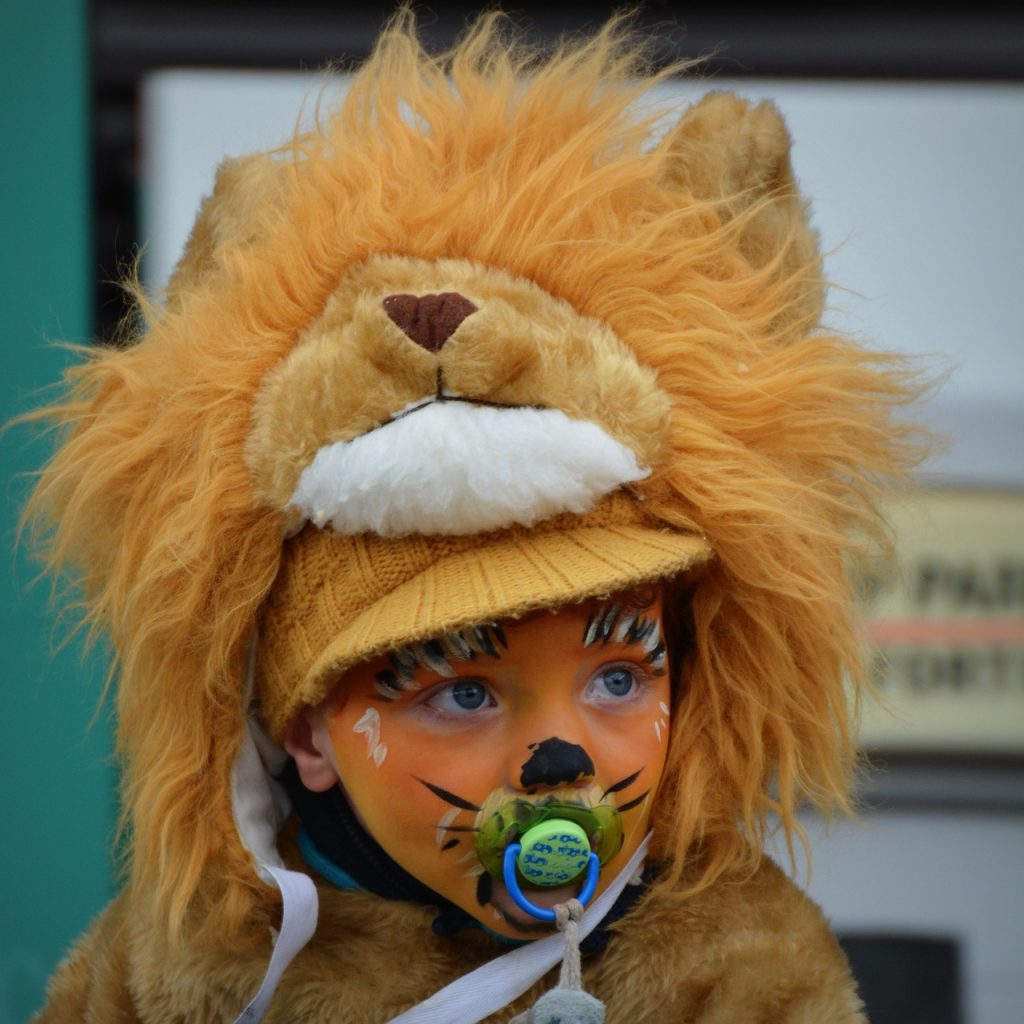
(506, 822)
(553, 853)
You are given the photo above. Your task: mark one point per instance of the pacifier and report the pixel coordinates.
(545, 845)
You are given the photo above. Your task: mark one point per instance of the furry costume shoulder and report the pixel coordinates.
(750, 949)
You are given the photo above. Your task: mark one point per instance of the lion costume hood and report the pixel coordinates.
(489, 305)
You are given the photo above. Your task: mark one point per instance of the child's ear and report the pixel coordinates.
(308, 742)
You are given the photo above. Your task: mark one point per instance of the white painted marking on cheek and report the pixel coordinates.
(369, 725)
(447, 818)
(474, 872)
(466, 857)
(657, 730)
(664, 707)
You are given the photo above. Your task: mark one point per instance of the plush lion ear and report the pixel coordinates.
(737, 156)
(246, 192)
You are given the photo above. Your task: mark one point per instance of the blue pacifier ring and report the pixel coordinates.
(520, 900)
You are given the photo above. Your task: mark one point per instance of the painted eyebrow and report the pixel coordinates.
(437, 655)
(611, 622)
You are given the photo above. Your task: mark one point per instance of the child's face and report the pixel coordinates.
(430, 740)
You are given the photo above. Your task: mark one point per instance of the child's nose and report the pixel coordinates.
(555, 762)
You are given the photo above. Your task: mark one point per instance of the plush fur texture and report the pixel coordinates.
(353, 368)
(749, 949)
(699, 260)
(455, 468)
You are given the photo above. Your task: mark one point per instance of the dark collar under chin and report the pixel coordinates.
(331, 824)
(334, 835)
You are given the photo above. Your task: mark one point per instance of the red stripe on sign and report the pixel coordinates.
(948, 632)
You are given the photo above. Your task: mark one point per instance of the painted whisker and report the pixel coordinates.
(483, 889)
(440, 830)
(635, 802)
(448, 798)
(622, 784)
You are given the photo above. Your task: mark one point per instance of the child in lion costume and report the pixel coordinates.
(472, 521)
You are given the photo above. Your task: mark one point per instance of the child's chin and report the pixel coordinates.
(517, 919)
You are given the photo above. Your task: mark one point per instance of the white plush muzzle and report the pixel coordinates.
(451, 467)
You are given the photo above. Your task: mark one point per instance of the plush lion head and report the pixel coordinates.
(469, 241)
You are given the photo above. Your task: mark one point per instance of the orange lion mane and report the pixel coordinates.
(692, 243)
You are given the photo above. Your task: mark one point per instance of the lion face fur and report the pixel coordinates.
(354, 370)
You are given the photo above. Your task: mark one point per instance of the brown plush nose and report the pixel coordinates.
(429, 320)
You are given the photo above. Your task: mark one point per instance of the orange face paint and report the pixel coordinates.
(431, 742)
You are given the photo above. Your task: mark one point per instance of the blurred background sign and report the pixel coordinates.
(946, 627)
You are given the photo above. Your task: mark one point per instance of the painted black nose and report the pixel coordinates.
(429, 320)
(555, 763)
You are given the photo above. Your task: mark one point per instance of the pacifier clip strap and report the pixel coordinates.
(497, 983)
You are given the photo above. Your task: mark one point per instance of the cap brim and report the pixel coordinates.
(516, 574)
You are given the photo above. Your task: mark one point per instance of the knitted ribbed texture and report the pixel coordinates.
(339, 600)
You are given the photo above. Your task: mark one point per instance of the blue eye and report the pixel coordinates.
(615, 684)
(469, 694)
(617, 681)
(462, 697)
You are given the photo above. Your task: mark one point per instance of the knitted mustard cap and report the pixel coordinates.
(339, 600)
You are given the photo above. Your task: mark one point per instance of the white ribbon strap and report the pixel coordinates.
(298, 922)
(494, 985)
(258, 811)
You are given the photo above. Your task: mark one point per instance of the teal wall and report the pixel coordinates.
(58, 780)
